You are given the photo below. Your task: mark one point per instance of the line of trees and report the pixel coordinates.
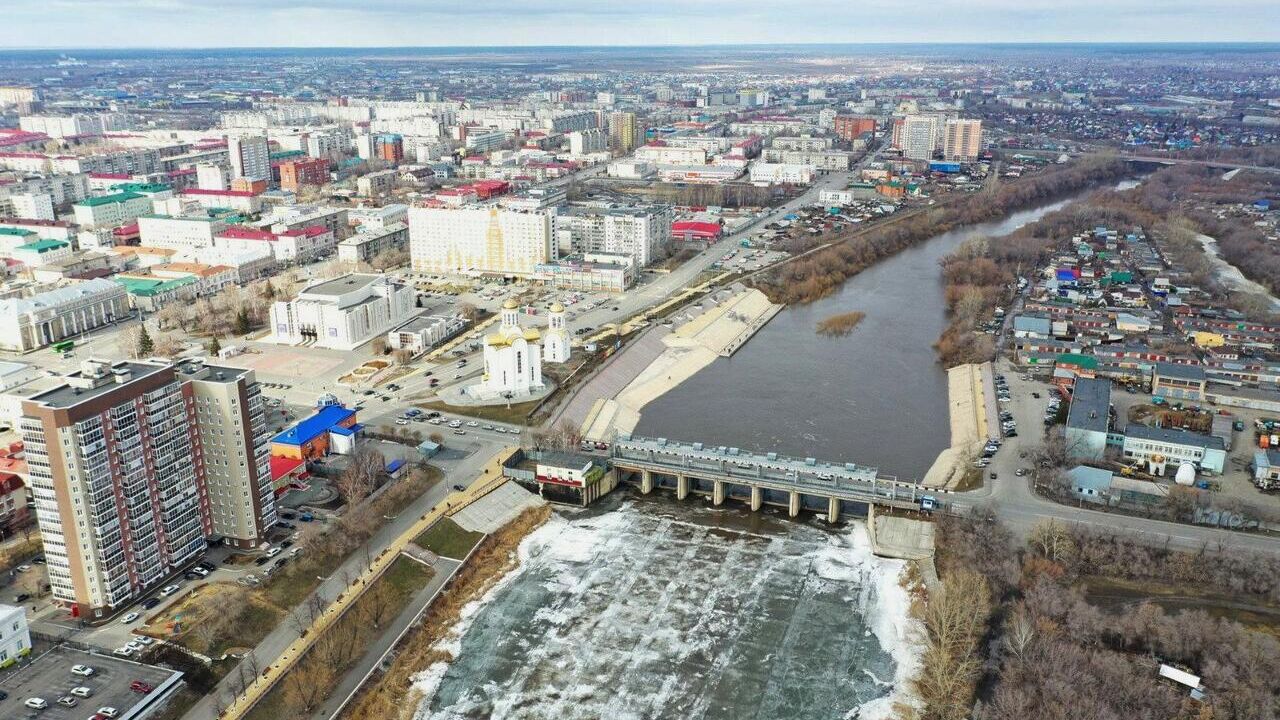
(819, 274)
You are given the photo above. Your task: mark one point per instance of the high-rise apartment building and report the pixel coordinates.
(963, 140)
(232, 424)
(118, 478)
(135, 465)
(625, 132)
(921, 135)
(250, 156)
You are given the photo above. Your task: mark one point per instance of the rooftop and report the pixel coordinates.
(1090, 405)
(70, 395)
(312, 427)
(110, 199)
(1179, 371)
(1174, 437)
(342, 285)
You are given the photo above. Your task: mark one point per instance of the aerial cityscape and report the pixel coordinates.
(689, 360)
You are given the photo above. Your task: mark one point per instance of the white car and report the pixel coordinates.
(36, 703)
(108, 711)
(82, 670)
(81, 691)
(472, 423)
(273, 552)
(169, 590)
(134, 645)
(123, 652)
(401, 421)
(129, 618)
(143, 640)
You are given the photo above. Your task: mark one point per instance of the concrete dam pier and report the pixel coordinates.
(757, 479)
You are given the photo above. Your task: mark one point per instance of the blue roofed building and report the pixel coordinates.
(331, 429)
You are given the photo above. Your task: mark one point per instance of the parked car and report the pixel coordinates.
(82, 691)
(82, 670)
(108, 712)
(67, 701)
(150, 603)
(123, 651)
(141, 687)
(169, 590)
(36, 703)
(129, 617)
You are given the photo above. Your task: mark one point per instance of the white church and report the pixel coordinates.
(513, 355)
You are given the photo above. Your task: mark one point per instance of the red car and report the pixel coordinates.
(140, 687)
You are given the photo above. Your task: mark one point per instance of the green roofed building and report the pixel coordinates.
(112, 210)
(152, 293)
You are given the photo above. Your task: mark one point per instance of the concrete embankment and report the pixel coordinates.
(973, 413)
(717, 331)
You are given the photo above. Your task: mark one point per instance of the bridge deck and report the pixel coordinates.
(769, 470)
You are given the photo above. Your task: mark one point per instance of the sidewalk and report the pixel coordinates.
(285, 634)
(355, 677)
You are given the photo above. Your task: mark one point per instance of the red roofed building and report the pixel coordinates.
(695, 230)
(239, 200)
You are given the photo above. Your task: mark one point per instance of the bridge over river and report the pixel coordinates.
(762, 478)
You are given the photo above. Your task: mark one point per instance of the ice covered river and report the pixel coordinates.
(654, 609)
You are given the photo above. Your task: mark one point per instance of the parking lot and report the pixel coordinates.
(49, 678)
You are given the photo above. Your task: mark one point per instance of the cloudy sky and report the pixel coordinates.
(240, 23)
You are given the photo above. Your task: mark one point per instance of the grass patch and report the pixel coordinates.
(313, 679)
(392, 692)
(840, 325)
(1115, 593)
(515, 415)
(447, 538)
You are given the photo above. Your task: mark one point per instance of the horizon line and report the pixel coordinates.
(516, 46)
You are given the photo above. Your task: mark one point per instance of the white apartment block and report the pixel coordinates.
(667, 155)
(342, 313)
(820, 160)
(61, 126)
(479, 240)
(117, 476)
(367, 244)
(640, 233)
(179, 233)
(111, 210)
(585, 142)
(767, 173)
(921, 136)
(41, 252)
(480, 140)
(801, 142)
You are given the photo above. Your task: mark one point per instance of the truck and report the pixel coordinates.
(928, 503)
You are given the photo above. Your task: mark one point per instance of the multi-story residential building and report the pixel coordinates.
(641, 233)
(369, 243)
(14, 514)
(667, 155)
(28, 323)
(850, 128)
(483, 140)
(61, 126)
(768, 173)
(801, 142)
(250, 156)
(295, 174)
(921, 135)
(244, 201)
(479, 240)
(963, 140)
(12, 95)
(290, 246)
(376, 183)
(231, 421)
(342, 313)
(111, 210)
(213, 176)
(117, 472)
(584, 142)
(189, 232)
(625, 133)
(819, 160)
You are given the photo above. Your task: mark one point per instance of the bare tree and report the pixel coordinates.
(361, 475)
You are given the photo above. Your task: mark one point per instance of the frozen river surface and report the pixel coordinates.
(663, 610)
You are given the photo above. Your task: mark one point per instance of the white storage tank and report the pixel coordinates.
(1186, 474)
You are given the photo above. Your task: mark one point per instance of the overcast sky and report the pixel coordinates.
(310, 23)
